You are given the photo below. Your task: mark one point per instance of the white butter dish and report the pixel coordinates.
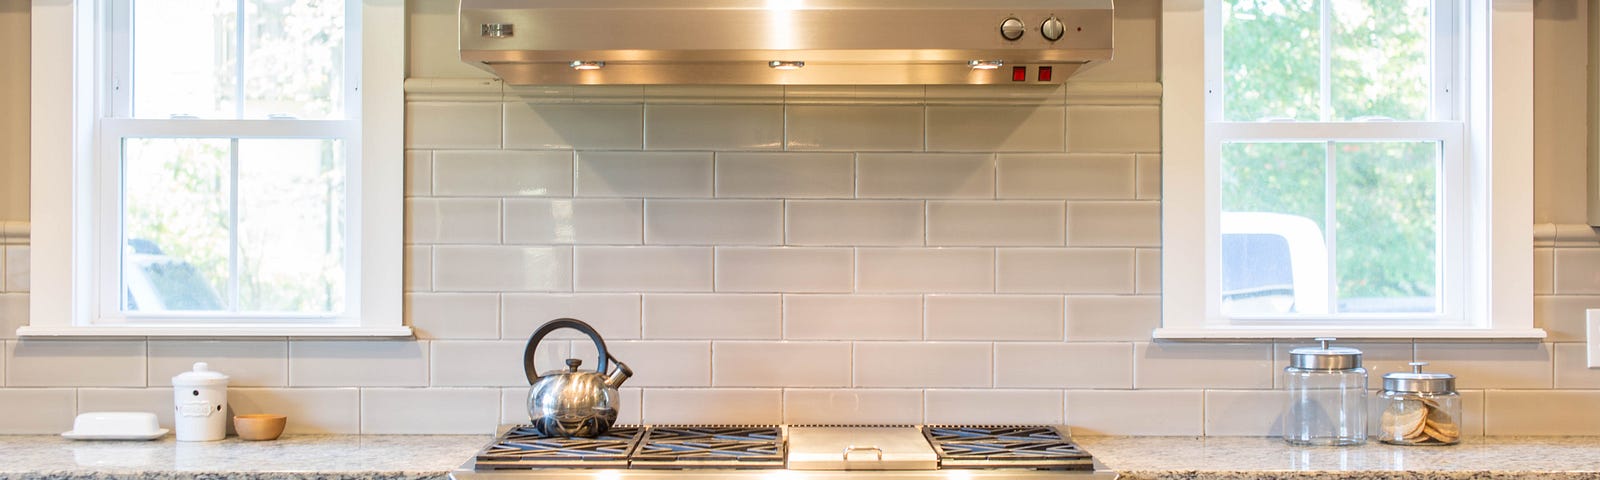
(115, 426)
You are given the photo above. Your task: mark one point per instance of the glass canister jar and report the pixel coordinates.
(1327, 395)
(1420, 408)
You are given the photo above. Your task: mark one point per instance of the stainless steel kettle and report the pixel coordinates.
(573, 403)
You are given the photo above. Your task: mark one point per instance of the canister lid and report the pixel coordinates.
(1325, 357)
(1418, 382)
(201, 376)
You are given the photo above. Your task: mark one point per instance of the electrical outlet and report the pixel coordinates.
(1591, 332)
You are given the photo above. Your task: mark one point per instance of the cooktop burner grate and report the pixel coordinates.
(523, 447)
(1010, 446)
(679, 446)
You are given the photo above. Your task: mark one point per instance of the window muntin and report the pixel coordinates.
(1333, 138)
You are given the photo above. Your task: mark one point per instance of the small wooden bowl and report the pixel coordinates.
(259, 426)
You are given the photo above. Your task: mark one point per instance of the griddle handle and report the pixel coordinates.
(854, 448)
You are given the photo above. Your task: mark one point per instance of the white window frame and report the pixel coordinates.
(1488, 271)
(74, 220)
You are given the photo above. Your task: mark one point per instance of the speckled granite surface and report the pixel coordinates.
(348, 457)
(323, 457)
(1230, 458)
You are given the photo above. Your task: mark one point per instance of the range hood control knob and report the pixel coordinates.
(1012, 28)
(1052, 29)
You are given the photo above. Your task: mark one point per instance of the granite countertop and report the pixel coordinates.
(408, 457)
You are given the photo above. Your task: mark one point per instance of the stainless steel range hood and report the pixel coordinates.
(784, 42)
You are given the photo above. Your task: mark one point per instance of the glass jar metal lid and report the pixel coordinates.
(1325, 357)
(1417, 381)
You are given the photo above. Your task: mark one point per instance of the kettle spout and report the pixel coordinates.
(619, 375)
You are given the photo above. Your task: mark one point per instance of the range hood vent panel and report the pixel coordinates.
(865, 42)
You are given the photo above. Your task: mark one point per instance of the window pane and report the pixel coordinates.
(1274, 259)
(1388, 230)
(291, 226)
(1379, 63)
(1272, 59)
(294, 58)
(175, 224)
(184, 58)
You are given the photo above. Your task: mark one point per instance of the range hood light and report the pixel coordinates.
(985, 64)
(587, 65)
(786, 65)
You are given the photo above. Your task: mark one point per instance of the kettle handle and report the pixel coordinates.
(557, 324)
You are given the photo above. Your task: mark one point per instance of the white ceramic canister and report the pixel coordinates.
(200, 400)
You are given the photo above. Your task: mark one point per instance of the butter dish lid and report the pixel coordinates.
(201, 376)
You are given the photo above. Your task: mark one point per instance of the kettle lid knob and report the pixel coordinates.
(573, 363)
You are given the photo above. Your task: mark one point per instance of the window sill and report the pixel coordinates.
(224, 331)
(1266, 333)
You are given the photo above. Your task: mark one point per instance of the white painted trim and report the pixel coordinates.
(1500, 285)
(66, 105)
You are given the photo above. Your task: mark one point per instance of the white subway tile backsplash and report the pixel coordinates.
(1113, 129)
(1114, 224)
(614, 315)
(994, 407)
(574, 126)
(75, 363)
(453, 315)
(1136, 412)
(419, 172)
(452, 220)
(40, 411)
(923, 365)
(925, 175)
(784, 269)
(642, 269)
(859, 406)
(1577, 271)
(13, 313)
(1066, 270)
(1055, 175)
(713, 222)
(655, 363)
(514, 406)
(707, 127)
(785, 175)
(1572, 367)
(1473, 405)
(1148, 267)
(860, 128)
(1544, 267)
(712, 316)
(1541, 412)
(1562, 316)
(780, 364)
(357, 363)
(1244, 413)
(335, 411)
(855, 222)
(590, 221)
(994, 317)
(151, 400)
(441, 411)
(729, 406)
(1112, 318)
(1093, 365)
(477, 268)
(1203, 365)
(644, 174)
(452, 125)
(989, 223)
(1491, 365)
(852, 317)
(1021, 128)
(418, 268)
(1149, 177)
(248, 363)
(502, 173)
(18, 273)
(918, 270)
(484, 363)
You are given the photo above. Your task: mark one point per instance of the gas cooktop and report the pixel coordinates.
(722, 451)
